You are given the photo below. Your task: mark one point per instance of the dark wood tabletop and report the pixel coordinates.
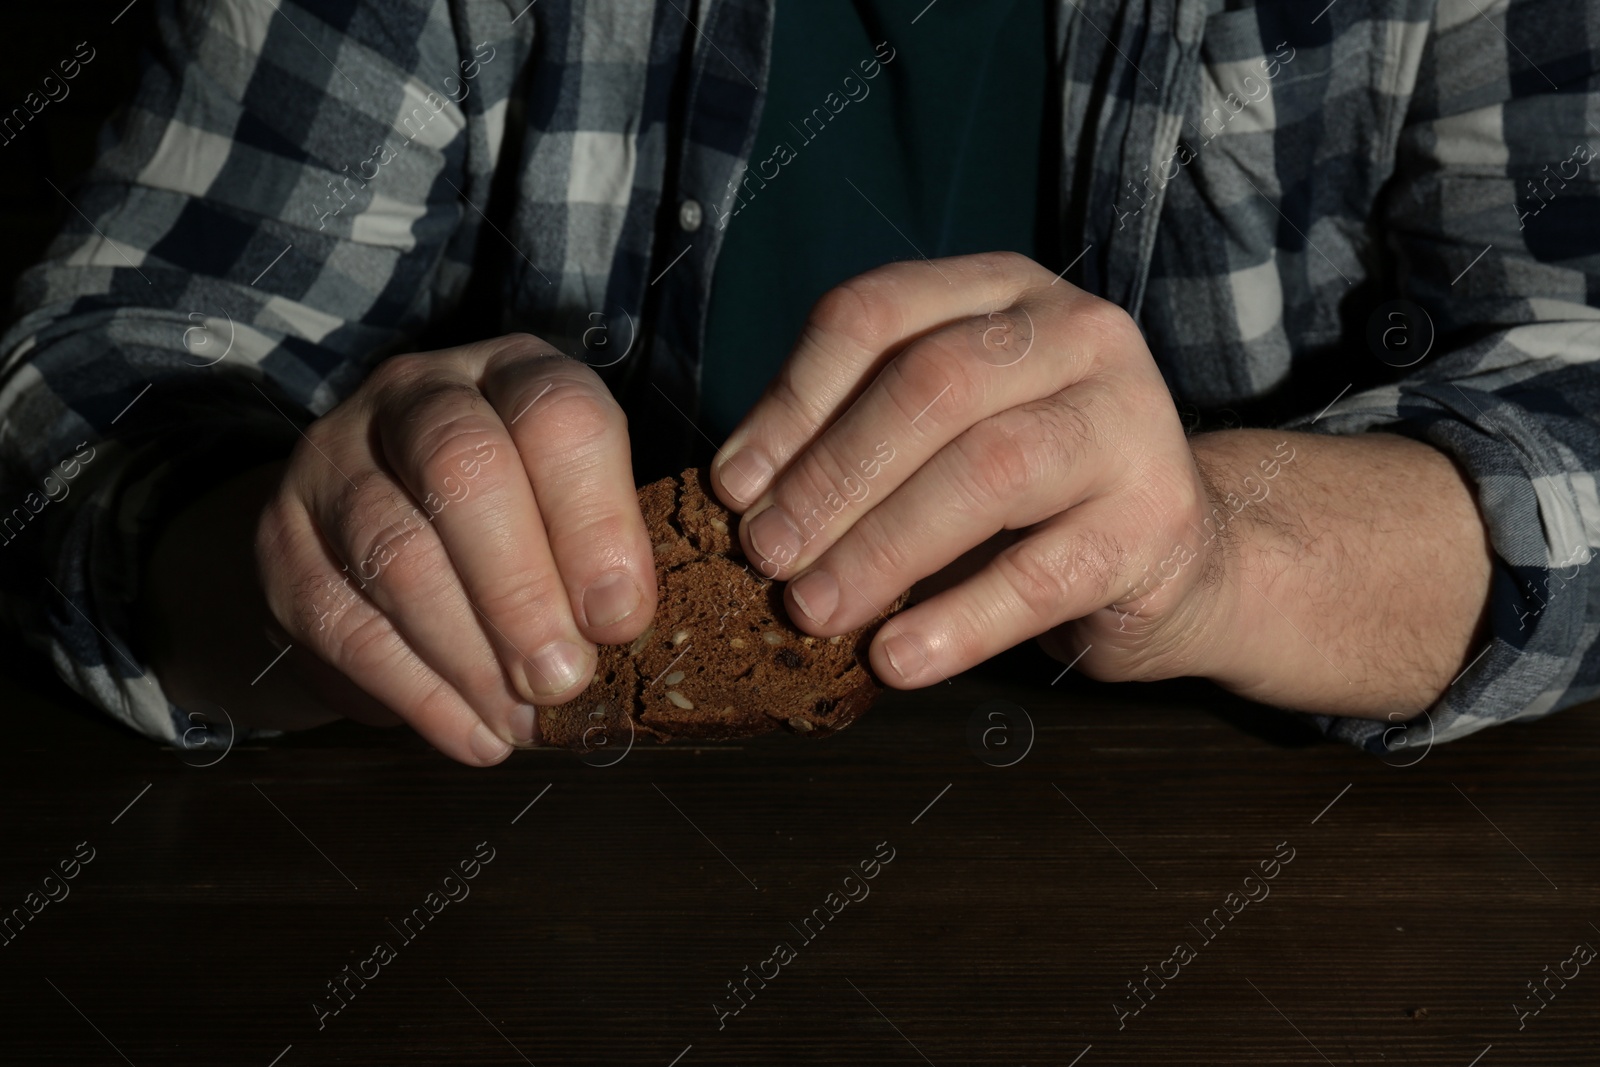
(1331, 907)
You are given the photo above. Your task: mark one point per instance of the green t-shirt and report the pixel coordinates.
(886, 135)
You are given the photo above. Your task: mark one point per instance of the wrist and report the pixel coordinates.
(1239, 470)
(1354, 581)
(1185, 613)
(1250, 552)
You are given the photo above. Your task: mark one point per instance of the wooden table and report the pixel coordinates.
(619, 902)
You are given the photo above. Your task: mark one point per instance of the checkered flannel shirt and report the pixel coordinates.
(299, 189)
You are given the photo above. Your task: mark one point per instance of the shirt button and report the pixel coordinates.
(689, 215)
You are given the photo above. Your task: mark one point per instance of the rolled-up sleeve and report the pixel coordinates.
(279, 207)
(1493, 220)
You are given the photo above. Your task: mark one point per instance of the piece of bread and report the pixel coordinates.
(721, 659)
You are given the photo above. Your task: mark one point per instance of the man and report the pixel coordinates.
(310, 324)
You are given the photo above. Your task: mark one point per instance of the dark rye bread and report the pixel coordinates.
(721, 659)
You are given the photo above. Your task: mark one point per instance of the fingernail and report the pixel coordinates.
(746, 474)
(611, 598)
(486, 746)
(816, 594)
(525, 725)
(906, 658)
(556, 668)
(774, 537)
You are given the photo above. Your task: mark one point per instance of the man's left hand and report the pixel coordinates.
(930, 408)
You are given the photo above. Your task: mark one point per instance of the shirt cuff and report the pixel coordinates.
(73, 585)
(1532, 494)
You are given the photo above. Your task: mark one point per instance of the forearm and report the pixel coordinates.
(1356, 584)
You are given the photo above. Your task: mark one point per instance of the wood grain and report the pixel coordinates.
(1018, 903)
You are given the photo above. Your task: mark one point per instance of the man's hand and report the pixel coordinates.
(979, 402)
(453, 539)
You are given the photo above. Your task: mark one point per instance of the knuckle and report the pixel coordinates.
(516, 603)
(812, 517)
(863, 311)
(572, 412)
(408, 571)
(371, 517)
(1110, 325)
(997, 463)
(812, 491)
(319, 440)
(1021, 449)
(883, 555)
(594, 532)
(1038, 577)
(517, 359)
(968, 631)
(396, 372)
(427, 400)
(1005, 264)
(434, 702)
(521, 345)
(928, 372)
(791, 399)
(449, 449)
(314, 606)
(364, 646)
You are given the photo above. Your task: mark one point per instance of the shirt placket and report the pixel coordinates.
(1154, 47)
(722, 100)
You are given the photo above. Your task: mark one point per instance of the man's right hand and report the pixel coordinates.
(456, 536)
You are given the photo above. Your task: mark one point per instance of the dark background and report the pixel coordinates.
(59, 143)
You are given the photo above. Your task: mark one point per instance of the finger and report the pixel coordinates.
(453, 452)
(572, 438)
(1007, 472)
(1064, 570)
(936, 388)
(850, 334)
(374, 527)
(318, 607)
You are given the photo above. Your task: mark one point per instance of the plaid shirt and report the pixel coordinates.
(302, 188)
